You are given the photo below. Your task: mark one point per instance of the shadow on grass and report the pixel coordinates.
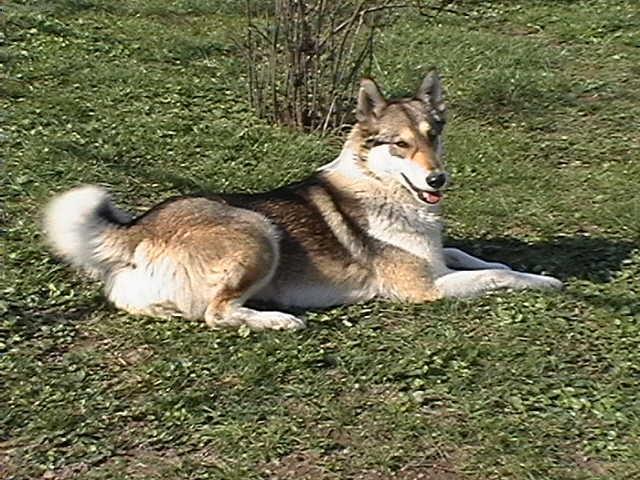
(31, 323)
(594, 259)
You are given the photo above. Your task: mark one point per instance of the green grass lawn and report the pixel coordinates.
(147, 97)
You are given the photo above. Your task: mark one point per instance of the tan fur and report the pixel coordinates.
(366, 225)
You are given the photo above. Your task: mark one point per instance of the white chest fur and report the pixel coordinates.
(410, 228)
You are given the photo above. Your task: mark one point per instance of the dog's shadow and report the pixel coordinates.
(595, 259)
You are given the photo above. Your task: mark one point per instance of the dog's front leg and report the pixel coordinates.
(458, 260)
(471, 283)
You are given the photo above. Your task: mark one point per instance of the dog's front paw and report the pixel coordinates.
(552, 282)
(543, 282)
(275, 321)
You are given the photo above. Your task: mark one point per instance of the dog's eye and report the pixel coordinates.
(374, 142)
(401, 144)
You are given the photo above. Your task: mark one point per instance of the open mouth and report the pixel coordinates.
(426, 196)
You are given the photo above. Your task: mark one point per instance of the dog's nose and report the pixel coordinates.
(436, 180)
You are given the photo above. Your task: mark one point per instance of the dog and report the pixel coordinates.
(366, 225)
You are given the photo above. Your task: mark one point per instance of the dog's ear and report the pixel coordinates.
(370, 101)
(430, 91)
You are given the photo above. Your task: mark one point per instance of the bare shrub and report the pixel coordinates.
(304, 56)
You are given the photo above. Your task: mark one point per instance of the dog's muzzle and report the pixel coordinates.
(425, 195)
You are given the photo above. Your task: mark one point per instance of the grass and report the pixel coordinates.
(147, 97)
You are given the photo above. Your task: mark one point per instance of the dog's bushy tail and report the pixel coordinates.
(85, 228)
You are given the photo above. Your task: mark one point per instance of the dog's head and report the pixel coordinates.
(400, 140)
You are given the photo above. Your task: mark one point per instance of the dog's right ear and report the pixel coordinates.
(370, 101)
(430, 91)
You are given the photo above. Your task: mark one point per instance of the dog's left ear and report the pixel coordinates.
(430, 91)
(370, 101)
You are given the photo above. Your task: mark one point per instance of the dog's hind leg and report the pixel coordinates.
(240, 278)
(476, 282)
(459, 260)
(233, 315)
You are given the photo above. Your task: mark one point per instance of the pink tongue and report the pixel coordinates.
(431, 197)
